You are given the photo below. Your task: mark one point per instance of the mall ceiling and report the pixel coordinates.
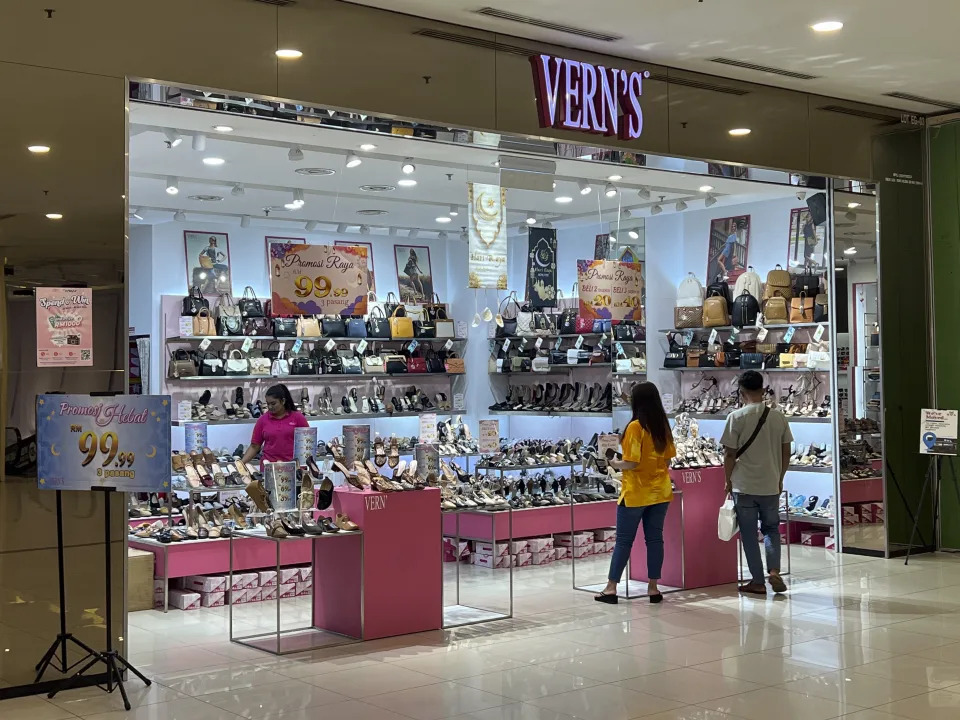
(884, 47)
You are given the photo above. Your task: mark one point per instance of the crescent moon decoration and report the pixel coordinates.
(53, 450)
(153, 451)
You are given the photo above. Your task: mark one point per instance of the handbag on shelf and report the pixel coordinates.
(525, 326)
(821, 306)
(401, 327)
(573, 356)
(715, 311)
(786, 360)
(516, 364)
(806, 283)
(416, 365)
(284, 327)
(690, 292)
(270, 353)
(709, 359)
(435, 363)
(303, 366)
(435, 310)
(746, 308)
(455, 365)
(352, 365)
(280, 366)
(249, 306)
(194, 302)
(751, 361)
(602, 325)
(424, 329)
(181, 365)
(731, 356)
(211, 365)
(391, 304)
(720, 287)
(583, 325)
(308, 326)
(764, 348)
(262, 327)
(771, 361)
(203, 323)
(541, 363)
(395, 364)
(638, 363)
(333, 326)
(687, 316)
(693, 357)
(259, 365)
(818, 360)
(331, 364)
(509, 328)
(567, 323)
(776, 310)
(676, 355)
(445, 329)
(236, 363)
(373, 364)
(801, 309)
(229, 321)
(624, 331)
(378, 326)
(623, 364)
(558, 357)
(799, 360)
(356, 327)
(778, 283)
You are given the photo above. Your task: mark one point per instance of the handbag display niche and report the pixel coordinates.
(280, 366)
(284, 327)
(751, 361)
(194, 302)
(801, 309)
(308, 326)
(416, 364)
(211, 365)
(356, 327)
(333, 326)
(236, 364)
(259, 365)
(525, 326)
(373, 364)
(181, 365)
(203, 323)
(583, 325)
(249, 306)
(400, 325)
(331, 364)
(378, 326)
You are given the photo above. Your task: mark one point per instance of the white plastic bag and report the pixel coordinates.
(727, 527)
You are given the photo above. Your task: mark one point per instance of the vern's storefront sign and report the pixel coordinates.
(592, 98)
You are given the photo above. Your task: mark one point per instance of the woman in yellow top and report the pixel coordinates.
(646, 491)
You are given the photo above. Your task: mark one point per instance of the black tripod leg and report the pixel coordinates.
(75, 678)
(114, 672)
(131, 668)
(916, 520)
(41, 666)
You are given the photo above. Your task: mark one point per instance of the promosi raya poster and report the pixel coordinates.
(64, 327)
(318, 279)
(610, 290)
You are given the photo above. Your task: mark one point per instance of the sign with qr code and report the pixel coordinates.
(64, 327)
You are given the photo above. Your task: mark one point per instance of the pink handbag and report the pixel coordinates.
(583, 325)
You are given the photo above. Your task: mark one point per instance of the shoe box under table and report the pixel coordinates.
(530, 522)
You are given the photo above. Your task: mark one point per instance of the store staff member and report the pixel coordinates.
(274, 430)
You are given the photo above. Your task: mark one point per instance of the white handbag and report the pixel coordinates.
(799, 360)
(727, 526)
(259, 365)
(236, 364)
(638, 363)
(623, 365)
(540, 363)
(818, 360)
(280, 366)
(573, 356)
(373, 364)
(525, 324)
(446, 329)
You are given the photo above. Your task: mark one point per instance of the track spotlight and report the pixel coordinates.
(342, 228)
(297, 201)
(310, 226)
(531, 219)
(584, 187)
(173, 137)
(199, 142)
(626, 214)
(180, 216)
(237, 190)
(173, 185)
(710, 201)
(407, 167)
(643, 193)
(443, 235)
(610, 190)
(453, 211)
(464, 236)
(364, 229)
(656, 209)
(548, 225)
(634, 235)
(680, 206)
(295, 154)
(135, 213)
(244, 221)
(850, 215)
(413, 233)
(353, 161)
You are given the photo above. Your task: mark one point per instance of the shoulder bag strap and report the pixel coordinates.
(756, 431)
(249, 294)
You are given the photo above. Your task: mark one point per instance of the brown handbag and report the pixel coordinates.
(776, 310)
(778, 283)
(455, 366)
(687, 317)
(801, 309)
(308, 326)
(203, 323)
(715, 311)
(693, 358)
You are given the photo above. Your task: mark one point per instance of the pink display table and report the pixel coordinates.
(694, 556)
(532, 522)
(401, 583)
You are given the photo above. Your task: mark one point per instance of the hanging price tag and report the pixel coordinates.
(446, 346)
(556, 345)
(759, 321)
(413, 345)
(762, 334)
(186, 326)
(298, 343)
(713, 336)
(619, 348)
(205, 343)
(248, 343)
(818, 333)
(506, 345)
(361, 347)
(539, 343)
(579, 343)
(328, 347)
(688, 336)
(734, 334)
(523, 343)
(788, 335)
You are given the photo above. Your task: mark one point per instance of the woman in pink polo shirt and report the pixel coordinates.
(273, 433)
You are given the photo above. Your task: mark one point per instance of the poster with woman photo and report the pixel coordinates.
(807, 241)
(414, 274)
(369, 247)
(208, 262)
(727, 251)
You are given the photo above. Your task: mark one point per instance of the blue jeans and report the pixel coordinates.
(765, 510)
(628, 520)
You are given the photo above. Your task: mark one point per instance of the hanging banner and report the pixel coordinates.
(121, 442)
(356, 443)
(610, 290)
(488, 236)
(318, 279)
(542, 268)
(64, 327)
(304, 444)
(195, 437)
(489, 443)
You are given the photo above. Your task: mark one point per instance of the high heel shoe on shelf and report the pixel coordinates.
(275, 528)
(393, 459)
(379, 454)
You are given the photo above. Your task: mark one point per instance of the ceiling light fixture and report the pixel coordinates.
(180, 216)
(407, 167)
(295, 154)
(839, 269)
(710, 201)
(288, 54)
(407, 182)
(443, 219)
(310, 226)
(342, 228)
(634, 235)
(656, 209)
(392, 232)
(531, 219)
(353, 161)
(610, 190)
(199, 142)
(827, 26)
(54, 216)
(464, 236)
(626, 214)
(584, 187)
(244, 221)
(548, 225)
(442, 235)
(173, 137)
(453, 211)
(413, 233)
(563, 199)
(853, 205)
(706, 188)
(173, 185)
(850, 251)
(613, 238)
(615, 178)
(222, 128)
(213, 161)
(643, 193)
(680, 206)
(368, 147)
(739, 132)
(364, 229)
(38, 149)
(238, 190)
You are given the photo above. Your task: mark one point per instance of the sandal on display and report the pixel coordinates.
(379, 453)
(345, 523)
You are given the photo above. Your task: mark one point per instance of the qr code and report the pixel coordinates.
(84, 354)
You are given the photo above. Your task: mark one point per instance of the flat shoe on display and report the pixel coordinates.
(345, 523)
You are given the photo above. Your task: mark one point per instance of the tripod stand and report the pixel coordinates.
(50, 658)
(111, 658)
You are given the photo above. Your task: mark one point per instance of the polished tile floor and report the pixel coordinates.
(857, 638)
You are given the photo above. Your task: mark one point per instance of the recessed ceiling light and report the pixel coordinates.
(853, 205)
(563, 199)
(315, 171)
(850, 251)
(615, 178)
(54, 216)
(372, 212)
(706, 188)
(634, 235)
(353, 161)
(584, 188)
(367, 147)
(609, 190)
(205, 198)
(444, 219)
(827, 26)
(407, 167)
(407, 182)
(839, 269)
(39, 149)
(378, 188)
(531, 219)
(739, 132)
(223, 128)
(288, 54)
(213, 161)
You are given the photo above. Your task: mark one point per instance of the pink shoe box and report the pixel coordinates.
(450, 554)
(303, 588)
(204, 583)
(830, 543)
(580, 551)
(599, 548)
(850, 515)
(238, 579)
(877, 512)
(542, 558)
(268, 593)
(237, 597)
(486, 548)
(254, 595)
(212, 599)
(287, 589)
(306, 573)
(522, 559)
(185, 600)
(561, 553)
(609, 546)
(815, 538)
(288, 575)
(605, 534)
(268, 578)
(251, 580)
(566, 540)
(539, 545)
(490, 561)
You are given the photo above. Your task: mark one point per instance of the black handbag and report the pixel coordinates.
(676, 356)
(625, 330)
(194, 302)
(558, 357)
(771, 360)
(509, 328)
(395, 364)
(568, 322)
(333, 326)
(391, 304)
(751, 361)
(249, 306)
(230, 325)
(356, 328)
(435, 363)
(258, 326)
(721, 288)
(284, 327)
(211, 365)
(303, 366)
(806, 283)
(331, 364)
(745, 310)
(377, 325)
(270, 353)
(436, 310)
(424, 329)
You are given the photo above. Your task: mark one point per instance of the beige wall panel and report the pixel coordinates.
(841, 144)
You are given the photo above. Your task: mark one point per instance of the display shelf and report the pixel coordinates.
(307, 378)
(630, 374)
(746, 328)
(811, 519)
(565, 336)
(723, 416)
(558, 369)
(552, 413)
(312, 338)
(538, 466)
(823, 469)
(344, 417)
(740, 369)
(860, 479)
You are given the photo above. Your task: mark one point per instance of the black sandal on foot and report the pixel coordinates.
(607, 598)
(658, 598)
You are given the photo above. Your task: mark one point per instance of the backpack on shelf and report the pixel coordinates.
(778, 283)
(776, 310)
(720, 287)
(750, 282)
(715, 311)
(690, 293)
(746, 307)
